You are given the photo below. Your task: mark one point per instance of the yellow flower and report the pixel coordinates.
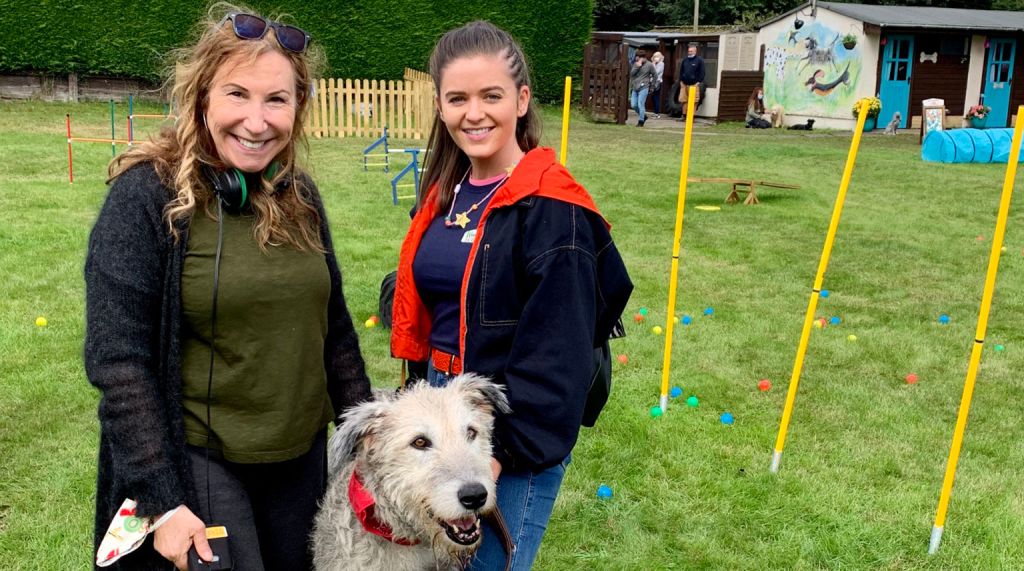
(873, 111)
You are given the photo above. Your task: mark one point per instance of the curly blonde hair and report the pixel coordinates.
(283, 211)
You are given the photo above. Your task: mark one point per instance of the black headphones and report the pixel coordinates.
(229, 185)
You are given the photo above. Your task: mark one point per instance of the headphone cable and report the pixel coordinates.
(213, 336)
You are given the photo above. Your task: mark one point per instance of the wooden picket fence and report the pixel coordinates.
(363, 107)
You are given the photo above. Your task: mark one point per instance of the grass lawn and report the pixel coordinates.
(866, 451)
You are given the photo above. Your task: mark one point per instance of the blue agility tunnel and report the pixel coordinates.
(968, 146)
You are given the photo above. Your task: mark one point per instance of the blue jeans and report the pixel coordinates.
(638, 101)
(657, 99)
(525, 500)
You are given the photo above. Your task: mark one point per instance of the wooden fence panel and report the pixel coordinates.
(734, 91)
(363, 107)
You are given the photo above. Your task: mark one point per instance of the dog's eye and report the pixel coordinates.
(471, 433)
(421, 443)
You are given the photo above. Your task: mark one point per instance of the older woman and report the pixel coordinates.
(217, 331)
(659, 69)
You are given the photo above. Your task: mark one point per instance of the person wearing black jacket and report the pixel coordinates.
(508, 270)
(691, 72)
(216, 326)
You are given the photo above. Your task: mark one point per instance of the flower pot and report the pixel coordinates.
(978, 122)
(849, 45)
(869, 124)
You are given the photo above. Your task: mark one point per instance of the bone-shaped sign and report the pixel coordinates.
(933, 57)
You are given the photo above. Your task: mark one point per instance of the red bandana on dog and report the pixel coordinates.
(362, 504)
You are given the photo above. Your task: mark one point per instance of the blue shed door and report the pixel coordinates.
(895, 89)
(998, 77)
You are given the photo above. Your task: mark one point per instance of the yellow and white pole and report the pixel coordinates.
(812, 304)
(565, 120)
(979, 336)
(684, 169)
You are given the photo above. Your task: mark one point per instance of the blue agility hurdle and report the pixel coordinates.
(412, 167)
(368, 153)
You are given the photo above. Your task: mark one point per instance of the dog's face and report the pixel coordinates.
(425, 454)
(810, 124)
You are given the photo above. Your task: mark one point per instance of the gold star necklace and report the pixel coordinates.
(462, 218)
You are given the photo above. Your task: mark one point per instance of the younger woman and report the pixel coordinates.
(756, 116)
(507, 270)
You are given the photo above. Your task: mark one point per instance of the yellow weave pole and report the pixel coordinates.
(812, 304)
(565, 120)
(979, 336)
(684, 169)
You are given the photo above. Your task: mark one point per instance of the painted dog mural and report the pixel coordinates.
(809, 72)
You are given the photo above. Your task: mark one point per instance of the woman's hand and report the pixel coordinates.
(176, 535)
(495, 468)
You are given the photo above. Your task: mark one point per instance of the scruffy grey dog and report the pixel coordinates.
(890, 129)
(424, 455)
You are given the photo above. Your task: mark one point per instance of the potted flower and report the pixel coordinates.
(874, 109)
(977, 115)
(849, 41)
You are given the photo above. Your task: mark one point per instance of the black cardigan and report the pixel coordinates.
(133, 352)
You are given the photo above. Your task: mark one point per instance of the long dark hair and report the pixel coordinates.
(446, 163)
(757, 103)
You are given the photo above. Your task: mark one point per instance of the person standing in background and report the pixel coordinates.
(641, 79)
(658, 61)
(691, 72)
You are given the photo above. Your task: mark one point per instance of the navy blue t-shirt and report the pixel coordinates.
(440, 263)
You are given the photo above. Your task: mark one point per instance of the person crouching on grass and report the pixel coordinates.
(508, 270)
(226, 426)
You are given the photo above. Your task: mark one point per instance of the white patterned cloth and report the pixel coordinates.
(126, 533)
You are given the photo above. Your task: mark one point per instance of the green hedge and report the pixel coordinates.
(362, 38)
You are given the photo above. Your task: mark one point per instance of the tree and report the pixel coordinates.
(642, 15)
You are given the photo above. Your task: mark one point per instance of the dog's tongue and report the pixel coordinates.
(465, 523)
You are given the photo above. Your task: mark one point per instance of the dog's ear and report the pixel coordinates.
(358, 423)
(482, 393)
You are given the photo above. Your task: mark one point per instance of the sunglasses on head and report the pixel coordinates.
(250, 27)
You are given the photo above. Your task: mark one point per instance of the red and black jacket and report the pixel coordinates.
(543, 287)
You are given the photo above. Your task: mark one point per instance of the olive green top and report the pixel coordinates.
(269, 393)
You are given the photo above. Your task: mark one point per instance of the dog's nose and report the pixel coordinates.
(473, 496)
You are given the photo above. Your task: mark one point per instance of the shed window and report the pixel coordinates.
(709, 52)
(954, 46)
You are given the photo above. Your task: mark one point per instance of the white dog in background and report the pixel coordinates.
(778, 114)
(424, 457)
